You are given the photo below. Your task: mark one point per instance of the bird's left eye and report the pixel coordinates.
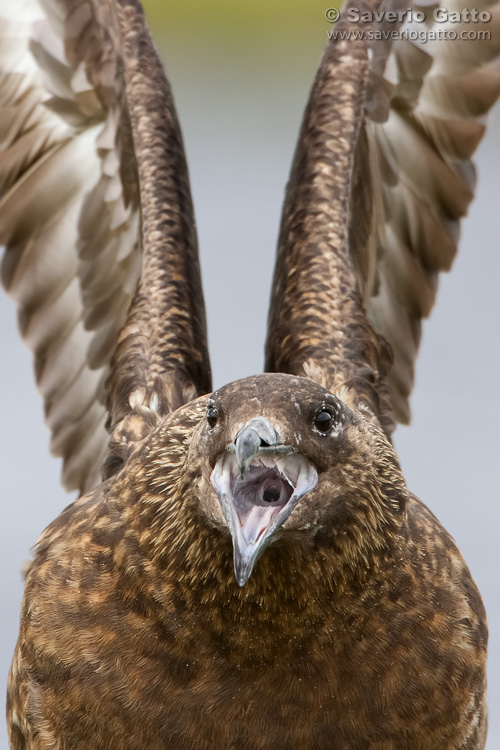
(212, 416)
(323, 421)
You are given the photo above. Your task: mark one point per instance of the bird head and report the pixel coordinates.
(287, 457)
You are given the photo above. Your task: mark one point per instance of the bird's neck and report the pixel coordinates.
(299, 584)
(302, 580)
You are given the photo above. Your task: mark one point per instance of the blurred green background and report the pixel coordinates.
(271, 39)
(243, 22)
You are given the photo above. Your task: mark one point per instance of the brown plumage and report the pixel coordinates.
(360, 626)
(253, 572)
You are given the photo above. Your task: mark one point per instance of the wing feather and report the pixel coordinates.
(70, 212)
(409, 178)
(429, 141)
(46, 168)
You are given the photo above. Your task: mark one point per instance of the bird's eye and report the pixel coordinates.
(323, 421)
(212, 416)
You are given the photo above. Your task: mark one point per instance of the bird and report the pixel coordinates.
(244, 567)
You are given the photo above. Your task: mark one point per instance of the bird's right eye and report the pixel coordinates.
(212, 416)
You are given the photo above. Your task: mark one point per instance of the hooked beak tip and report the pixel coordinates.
(250, 439)
(246, 448)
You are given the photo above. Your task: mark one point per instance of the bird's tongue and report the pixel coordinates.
(258, 499)
(255, 523)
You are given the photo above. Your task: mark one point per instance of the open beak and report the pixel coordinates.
(259, 481)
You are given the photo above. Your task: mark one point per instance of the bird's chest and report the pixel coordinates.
(316, 687)
(367, 680)
(223, 699)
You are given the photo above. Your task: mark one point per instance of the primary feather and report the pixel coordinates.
(372, 217)
(69, 163)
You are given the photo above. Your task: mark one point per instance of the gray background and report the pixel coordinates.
(240, 95)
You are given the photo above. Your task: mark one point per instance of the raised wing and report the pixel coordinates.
(381, 176)
(92, 169)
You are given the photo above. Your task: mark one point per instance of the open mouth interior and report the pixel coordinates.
(260, 495)
(255, 504)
